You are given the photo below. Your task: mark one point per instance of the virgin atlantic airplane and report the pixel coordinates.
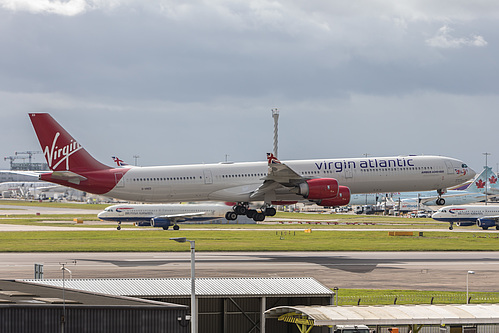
(327, 182)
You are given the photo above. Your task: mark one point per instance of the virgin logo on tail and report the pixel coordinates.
(56, 155)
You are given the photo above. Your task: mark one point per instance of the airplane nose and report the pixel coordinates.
(471, 172)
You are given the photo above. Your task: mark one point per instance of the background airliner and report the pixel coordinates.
(327, 182)
(485, 216)
(162, 215)
(476, 190)
(26, 189)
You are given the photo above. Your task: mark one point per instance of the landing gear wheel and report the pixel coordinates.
(176, 227)
(251, 213)
(270, 211)
(118, 227)
(165, 228)
(451, 227)
(259, 217)
(231, 216)
(440, 201)
(240, 210)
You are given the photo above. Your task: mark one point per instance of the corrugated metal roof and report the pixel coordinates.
(204, 286)
(394, 314)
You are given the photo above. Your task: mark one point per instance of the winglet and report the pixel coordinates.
(119, 162)
(271, 159)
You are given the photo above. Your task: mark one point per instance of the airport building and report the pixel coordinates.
(224, 304)
(28, 307)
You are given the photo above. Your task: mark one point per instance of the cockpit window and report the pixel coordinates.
(464, 165)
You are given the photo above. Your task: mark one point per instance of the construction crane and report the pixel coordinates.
(13, 158)
(30, 154)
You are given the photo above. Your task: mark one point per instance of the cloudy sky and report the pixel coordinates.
(179, 82)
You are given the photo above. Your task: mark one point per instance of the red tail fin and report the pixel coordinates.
(61, 150)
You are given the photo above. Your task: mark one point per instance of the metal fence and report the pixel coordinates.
(418, 299)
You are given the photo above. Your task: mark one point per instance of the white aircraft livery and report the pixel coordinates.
(327, 182)
(162, 215)
(485, 216)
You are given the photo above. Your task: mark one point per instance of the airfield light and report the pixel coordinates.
(194, 315)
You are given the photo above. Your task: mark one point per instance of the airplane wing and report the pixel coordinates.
(181, 217)
(279, 175)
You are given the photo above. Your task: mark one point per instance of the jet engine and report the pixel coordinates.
(485, 223)
(160, 222)
(342, 199)
(321, 188)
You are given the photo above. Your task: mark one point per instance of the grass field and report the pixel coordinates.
(386, 297)
(241, 240)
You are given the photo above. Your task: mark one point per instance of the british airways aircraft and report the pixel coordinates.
(162, 215)
(327, 182)
(485, 216)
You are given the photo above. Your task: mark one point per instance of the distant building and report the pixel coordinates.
(29, 167)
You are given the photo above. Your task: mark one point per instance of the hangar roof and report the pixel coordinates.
(19, 293)
(392, 314)
(207, 287)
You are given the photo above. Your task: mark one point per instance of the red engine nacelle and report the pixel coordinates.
(322, 188)
(342, 199)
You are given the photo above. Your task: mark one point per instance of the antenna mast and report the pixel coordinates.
(275, 115)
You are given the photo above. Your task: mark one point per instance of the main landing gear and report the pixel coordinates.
(119, 225)
(242, 208)
(440, 201)
(451, 225)
(175, 227)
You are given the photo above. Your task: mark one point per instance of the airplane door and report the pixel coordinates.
(208, 177)
(348, 173)
(450, 168)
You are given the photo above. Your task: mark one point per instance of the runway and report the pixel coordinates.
(376, 270)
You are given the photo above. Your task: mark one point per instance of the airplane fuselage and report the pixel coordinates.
(145, 212)
(237, 181)
(465, 213)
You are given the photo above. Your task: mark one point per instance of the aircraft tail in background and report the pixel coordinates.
(486, 180)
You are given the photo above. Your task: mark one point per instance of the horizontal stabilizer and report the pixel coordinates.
(68, 176)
